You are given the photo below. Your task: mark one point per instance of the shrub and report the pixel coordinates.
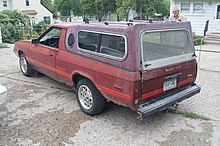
(11, 23)
(15, 26)
(40, 27)
(197, 39)
(35, 34)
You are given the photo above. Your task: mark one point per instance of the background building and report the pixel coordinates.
(198, 12)
(34, 8)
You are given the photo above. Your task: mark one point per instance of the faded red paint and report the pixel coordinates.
(118, 81)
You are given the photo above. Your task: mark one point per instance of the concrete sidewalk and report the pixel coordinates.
(209, 60)
(41, 111)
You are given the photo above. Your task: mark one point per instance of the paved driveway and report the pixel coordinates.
(40, 111)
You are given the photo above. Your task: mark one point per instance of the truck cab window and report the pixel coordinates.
(51, 39)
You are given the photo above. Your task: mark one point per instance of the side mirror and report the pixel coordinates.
(34, 41)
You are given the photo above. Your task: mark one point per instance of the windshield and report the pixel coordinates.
(169, 45)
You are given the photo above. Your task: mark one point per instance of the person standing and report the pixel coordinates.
(177, 16)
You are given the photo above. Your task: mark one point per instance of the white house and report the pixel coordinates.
(34, 8)
(198, 12)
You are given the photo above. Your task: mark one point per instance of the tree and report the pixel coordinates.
(123, 7)
(98, 8)
(148, 8)
(88, 7)
(69, 7)
(166, 6)
(50, 5)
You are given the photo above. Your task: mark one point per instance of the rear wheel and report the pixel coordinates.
(89, 98)
(25, 67)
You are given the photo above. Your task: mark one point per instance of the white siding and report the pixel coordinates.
(198, 20)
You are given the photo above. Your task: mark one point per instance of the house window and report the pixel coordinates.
(47, 19)
(185, 8)
(198, 8)
(27, 3)
(33, 21)
(5, 4)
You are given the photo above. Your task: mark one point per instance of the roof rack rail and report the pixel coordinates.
(129, 23)
(117, 23)
(86, 21)
(142, 21)
(125, 23)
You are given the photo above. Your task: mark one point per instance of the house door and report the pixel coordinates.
(216, 23)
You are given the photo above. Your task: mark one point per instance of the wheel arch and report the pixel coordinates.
(20, 52)
(77, 76)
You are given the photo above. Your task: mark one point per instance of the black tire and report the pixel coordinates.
(95, 103)
(25, 67)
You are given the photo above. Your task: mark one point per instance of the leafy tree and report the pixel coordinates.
(69, 7)
(88, 7)
(123, 7)
(148, 8)
(13, 23)
(166, 6)
(98, 8)
(160, 7)
(109, 6)
(50, 5)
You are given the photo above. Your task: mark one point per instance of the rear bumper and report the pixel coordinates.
(167, 101)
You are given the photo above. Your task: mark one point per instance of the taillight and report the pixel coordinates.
(136, 93)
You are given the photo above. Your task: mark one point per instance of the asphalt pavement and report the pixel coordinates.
(41, 111)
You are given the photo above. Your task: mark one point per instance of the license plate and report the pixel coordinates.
(169, 84)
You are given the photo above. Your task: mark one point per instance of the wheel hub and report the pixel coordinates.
(23, 65)
(85, 97)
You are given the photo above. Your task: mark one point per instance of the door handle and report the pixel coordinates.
(50, 53)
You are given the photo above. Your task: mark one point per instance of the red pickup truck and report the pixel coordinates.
(144, 66)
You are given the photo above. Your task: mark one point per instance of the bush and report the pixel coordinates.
(15, 26)
(197, 39)
(40, 27)
(35, 34)
(12, 24)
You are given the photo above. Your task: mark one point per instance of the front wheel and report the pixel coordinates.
(89, 98)
(25, 67)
